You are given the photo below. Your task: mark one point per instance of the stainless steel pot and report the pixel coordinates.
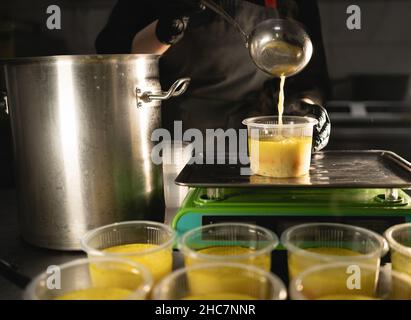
(81, 128)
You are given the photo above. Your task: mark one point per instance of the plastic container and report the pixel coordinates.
(280, 150)
(350, 281)
(399, 239)
(92, 279)
(229, 242)
(317, 243)
(220, 281)
(176, 154)
(145, 242)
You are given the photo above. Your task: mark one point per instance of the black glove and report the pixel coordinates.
(322, 130)
(174, 18)
(268, 101)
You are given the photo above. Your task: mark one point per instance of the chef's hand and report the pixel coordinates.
(172, 24)
(303, 108)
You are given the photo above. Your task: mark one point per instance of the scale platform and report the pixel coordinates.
(363, 188)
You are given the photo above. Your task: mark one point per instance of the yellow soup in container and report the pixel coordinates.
(319, 243)
(220, 281)
(103, 278)
(399, 239)
(350, 280)
(147, 243)
(229, 242)
(280, 147)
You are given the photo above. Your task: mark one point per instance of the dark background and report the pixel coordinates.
(370, 68)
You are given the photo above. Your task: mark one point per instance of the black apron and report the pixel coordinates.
(225, 81)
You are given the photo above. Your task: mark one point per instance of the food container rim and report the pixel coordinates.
(295, 249)
(393, 243)
(307, 122)
(99, 253)
(273, 243)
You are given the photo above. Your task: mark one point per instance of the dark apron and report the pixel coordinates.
(225, 81)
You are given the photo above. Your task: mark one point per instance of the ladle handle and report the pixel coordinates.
(221, 12)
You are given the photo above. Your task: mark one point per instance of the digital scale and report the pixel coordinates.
(363, 188)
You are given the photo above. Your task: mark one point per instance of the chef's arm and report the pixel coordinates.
(146, 26)
(161, 34)
(146, 41)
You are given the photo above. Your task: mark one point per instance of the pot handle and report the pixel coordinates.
(177, 89)
(3, 102)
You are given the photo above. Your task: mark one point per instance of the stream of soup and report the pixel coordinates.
(281, 100)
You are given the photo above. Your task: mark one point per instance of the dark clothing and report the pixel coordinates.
(225, 84)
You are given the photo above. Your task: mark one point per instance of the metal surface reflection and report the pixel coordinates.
(82, 139)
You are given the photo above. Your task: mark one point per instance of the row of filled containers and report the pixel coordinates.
(232, 261)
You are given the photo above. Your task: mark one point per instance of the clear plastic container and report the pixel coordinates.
(229, 242)
(220, 281)
(176, 154)
(399, 239)
(280, 150)
(92, 279)
(350, 281)
(146, 242)
(317, 243)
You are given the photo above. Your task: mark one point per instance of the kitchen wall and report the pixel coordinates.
(81, 22)
(381, 47)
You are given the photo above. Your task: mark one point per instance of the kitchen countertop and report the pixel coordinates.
(30, 260)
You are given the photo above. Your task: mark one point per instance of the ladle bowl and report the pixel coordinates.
(278, 47)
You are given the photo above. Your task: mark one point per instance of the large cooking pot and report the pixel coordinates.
(82, 130)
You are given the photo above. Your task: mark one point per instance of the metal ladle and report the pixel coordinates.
(278, 47)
